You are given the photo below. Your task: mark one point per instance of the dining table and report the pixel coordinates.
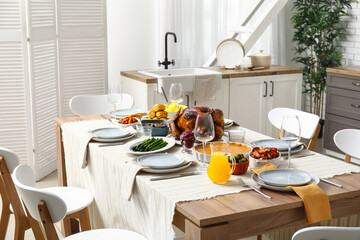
(233, 214)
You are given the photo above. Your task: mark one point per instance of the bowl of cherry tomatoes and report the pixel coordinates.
(260, 156)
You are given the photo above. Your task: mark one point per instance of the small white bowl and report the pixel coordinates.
(128, 125)
(253, 162)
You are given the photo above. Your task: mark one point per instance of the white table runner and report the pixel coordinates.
(151, 210)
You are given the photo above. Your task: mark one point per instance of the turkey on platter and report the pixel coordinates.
(185, 121)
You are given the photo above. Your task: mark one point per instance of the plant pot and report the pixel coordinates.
(240, 168)
(322, 123)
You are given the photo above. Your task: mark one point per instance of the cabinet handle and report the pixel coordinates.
(356, 84)
(265, 89)
(355, 105)
(272, 89)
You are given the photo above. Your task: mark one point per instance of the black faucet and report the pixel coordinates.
(166, 63)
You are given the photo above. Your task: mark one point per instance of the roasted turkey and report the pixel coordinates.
(185, 121)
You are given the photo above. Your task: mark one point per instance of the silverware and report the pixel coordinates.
(330, 182)
(103, 116)
(242, 183)
(174, 176)
(111, 144)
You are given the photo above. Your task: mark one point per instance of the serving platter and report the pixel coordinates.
(314, 180)
(285, 177)
(161, 161)
(128, 145)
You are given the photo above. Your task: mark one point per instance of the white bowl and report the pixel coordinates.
(128, 125)
(253, 162)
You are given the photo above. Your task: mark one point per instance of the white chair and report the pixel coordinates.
(48, 208)
(77, 200)
(348, 141)
(83, 105)
(327, 233)
(309, 123)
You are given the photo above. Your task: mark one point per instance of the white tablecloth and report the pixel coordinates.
(151, 209)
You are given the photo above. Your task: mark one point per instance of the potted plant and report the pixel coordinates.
(318, 29)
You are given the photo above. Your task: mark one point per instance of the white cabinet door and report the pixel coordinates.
(247, 105)
(283, 91)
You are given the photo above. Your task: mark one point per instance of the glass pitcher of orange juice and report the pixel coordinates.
(219, 170)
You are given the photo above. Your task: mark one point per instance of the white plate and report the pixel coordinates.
(167, 170)
(109, 133)
(127, 146)
(125, 112)
(109, 140)
(228, 123)
(161, 161)
(285, 177)
(230, 53)
(314, 180)
(279, 144)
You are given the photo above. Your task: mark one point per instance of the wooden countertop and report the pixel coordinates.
(227, 73)
(351, 71)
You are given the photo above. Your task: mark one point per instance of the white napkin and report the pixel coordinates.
(131, 169)
(205, 87)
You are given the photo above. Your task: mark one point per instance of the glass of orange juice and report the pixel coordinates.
(219, 170)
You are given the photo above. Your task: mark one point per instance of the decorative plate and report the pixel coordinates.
(230, 53)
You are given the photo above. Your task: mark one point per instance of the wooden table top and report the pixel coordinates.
(284, 210)
(351, 71)
(227, 73)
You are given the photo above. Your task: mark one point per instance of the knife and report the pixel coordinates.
(330, 182)
(174, 176)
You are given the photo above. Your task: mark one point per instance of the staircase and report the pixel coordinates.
(255, 30)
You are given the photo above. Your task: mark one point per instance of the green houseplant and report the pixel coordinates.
(317, 30)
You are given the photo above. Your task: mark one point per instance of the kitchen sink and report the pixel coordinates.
(185, 76)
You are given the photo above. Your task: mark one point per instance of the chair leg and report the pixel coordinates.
(38, 231)
(4, 221)
(84, 219)
(66, 227)
(20, 228)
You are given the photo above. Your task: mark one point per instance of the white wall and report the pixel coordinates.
(131, 36)
(351, 45)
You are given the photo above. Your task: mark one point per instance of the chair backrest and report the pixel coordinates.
(309, 123)
(83, 105)
(348, 141)
(33, 196)
(11, 158)
(328, 233)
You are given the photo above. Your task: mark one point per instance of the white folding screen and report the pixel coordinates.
(44, 82)
(15, 114)
(82, 49)
(62, 63)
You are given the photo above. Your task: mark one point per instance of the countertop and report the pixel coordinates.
(351, 71)
(226, 73)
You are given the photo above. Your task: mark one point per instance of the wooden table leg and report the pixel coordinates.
(60, 157)
(213, 232)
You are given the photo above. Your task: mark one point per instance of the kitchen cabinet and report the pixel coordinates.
(342, 109)
(251, 98)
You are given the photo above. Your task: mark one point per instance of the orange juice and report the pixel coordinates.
(219, 170)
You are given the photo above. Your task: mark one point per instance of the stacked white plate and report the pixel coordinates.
(279, 180)
(110, 134)
(162, 163)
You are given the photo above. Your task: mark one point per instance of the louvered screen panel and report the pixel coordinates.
(44, 80)
(15, 124)
(82, 49)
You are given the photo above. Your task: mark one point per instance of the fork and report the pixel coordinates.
(242, 183)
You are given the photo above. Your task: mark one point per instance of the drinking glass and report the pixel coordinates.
(237, 135)
(176, 93)
(204, 130)
(114, 94)
(290, 132)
